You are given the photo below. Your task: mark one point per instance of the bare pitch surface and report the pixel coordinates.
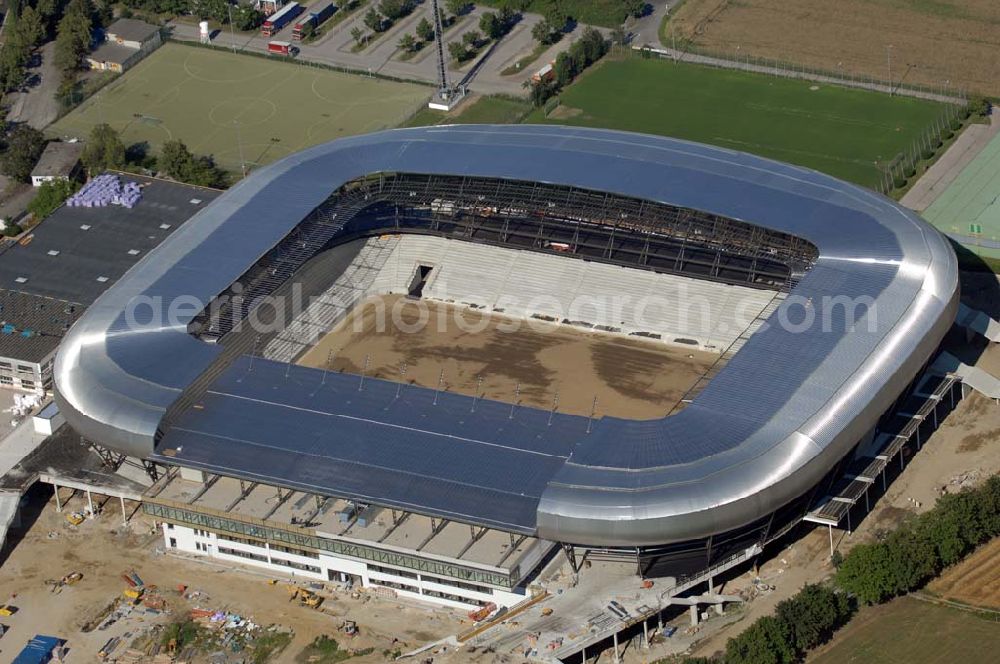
(631, 378)
(938, 43)
(219, 103)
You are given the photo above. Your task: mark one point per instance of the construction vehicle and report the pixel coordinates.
(7, 610)
(132, 593)
(75, 518)
(349, 628)
(305, 596)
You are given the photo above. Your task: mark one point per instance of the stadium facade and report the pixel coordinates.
(792, 400)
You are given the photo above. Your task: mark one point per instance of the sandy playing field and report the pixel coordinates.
(945, 45)
(633, 378)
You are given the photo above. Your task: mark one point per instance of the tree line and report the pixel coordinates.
(899, 563)
(582, 53)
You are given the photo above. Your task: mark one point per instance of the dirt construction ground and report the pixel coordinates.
(943, 43)
(632, 378)
(101, 550)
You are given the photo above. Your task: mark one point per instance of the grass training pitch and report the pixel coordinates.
(216, 101)
(909, 631)
(943, 44)
(844, 132)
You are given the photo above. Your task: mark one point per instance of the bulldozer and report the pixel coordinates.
(305, 596)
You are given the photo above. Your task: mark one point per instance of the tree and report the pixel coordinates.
(357, 33)
(766, 641)
(544, 33)
(813, 615)
(247, 17)
(50, 196)
(407, 42)
(178, 162)
(73, 36)
(471, 38)
(374, 20)
(30, 28)
(104, 150)
(396, 9)
(425, 31)
(458, 51)
(457, 7)
(491, 26)
(24, 147)
(217, 10)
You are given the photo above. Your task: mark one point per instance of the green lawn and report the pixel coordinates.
(908, 631)
(211, 98)
(484, 110)
(839, 131)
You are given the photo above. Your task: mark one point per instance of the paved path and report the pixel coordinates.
(37, 106)
(944, 171)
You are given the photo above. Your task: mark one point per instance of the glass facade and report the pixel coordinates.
(261, 531)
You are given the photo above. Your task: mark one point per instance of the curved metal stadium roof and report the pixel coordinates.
(769, 426)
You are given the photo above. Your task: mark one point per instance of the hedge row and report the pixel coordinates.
(923, 546)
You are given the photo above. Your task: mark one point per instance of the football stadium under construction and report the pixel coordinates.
(818, 304)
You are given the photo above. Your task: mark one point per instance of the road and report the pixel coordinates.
(37, 106)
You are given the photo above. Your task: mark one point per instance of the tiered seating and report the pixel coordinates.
(356, 281)
(524, 284)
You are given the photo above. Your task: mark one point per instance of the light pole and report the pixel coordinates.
(232, 37)
(888, 64)
(239, 143)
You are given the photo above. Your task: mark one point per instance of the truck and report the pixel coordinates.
(279, 19)
(279, 47)
(313, 19)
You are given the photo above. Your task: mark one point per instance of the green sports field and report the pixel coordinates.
(969, 209)
(839, 131)
(210, 98)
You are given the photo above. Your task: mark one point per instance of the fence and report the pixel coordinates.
(243, 50)
(895, 172)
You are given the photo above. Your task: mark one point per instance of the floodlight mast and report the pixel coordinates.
(444, 88)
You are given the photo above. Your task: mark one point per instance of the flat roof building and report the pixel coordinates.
(59, 160)
(56, 271)
(126, 42)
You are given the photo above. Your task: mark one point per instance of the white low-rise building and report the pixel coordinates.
(302, 536)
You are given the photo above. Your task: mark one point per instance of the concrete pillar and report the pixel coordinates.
(90, 504)
(58, 504)
(124, 514)
(830, 529)
(720, 609)
(617, 659)
(694, 615)
(645, 634)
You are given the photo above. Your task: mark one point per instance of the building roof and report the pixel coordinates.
(32, 326)
(58, 159)
(76, 253)
(110, 52)
(769, 426)
(131, 29)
